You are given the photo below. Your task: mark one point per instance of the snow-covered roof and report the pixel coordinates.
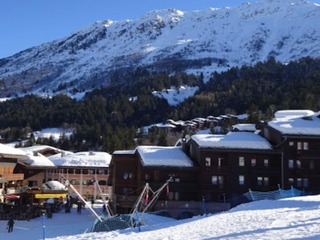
(164, 125)
(11, 152)
(83, 159)
(39, 148)
(129, 152)
(296, 123)
(245, 127)
(163, 156)
(293, 113)
(240, 140)
(37, 159)
(54, 185)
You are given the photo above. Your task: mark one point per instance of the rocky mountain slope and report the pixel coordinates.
(166, 40)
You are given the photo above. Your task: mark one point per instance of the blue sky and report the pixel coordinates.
(27, 23)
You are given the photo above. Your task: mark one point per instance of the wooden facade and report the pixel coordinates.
(300, 159)
(224, 173)
(181, 197)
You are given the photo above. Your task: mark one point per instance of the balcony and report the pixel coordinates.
(16, 190)
(12, 176)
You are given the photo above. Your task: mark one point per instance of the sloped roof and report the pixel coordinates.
(84, 159)
(54, 185)
(250, 127)
(128, 152)
(163, 156)
(11, 152)
(237, 140)
(296, 122)
(37, 159)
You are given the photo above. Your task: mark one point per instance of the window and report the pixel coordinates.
(241, 161)
(298, 164)
(299, 145)
(217, 180)
(266, 181)
(74, 182)
(305, 182)
(241, 180)
(208, 162)
(299, 182)
(32, 183)
(291, 143)
(290, 181)
(262, 181)
(290, 163)
(214, 180)
(102, 182)
(311, 164)
(266, 162)
(305, 146)
(259, 181)
(220, 162)
(253, 162)
(125, 176)
(220, 178)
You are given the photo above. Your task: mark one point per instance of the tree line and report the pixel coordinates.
(107, 118)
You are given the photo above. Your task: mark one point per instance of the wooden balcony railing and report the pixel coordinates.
(12, 176)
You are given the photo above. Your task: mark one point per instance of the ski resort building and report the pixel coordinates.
(10, 181)
(281, 154)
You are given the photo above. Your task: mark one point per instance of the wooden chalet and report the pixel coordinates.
(132, 170)
(278, 154)
(233, 163)
(296, 134)
(10, 179)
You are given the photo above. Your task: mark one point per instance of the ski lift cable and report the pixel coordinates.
(85, 202)
(103, 198)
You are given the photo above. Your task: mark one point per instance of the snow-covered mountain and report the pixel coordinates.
(167, 40)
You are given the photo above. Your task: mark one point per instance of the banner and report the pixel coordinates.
(50, 195)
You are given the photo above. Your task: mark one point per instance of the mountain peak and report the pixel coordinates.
(165, 40)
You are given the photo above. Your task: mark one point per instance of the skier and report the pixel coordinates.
(10, 224)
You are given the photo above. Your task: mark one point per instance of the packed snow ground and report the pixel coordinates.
(292, 218)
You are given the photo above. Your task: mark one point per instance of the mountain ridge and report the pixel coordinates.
(165, 40)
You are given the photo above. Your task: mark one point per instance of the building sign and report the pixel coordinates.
(50, 195)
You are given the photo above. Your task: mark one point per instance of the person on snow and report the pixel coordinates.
(10, 224)
(79, 207)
